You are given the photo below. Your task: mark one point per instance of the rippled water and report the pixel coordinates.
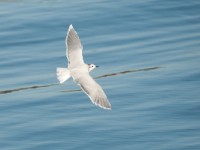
(149, 53)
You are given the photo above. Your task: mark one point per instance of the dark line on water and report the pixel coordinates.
(27, 88)
(68, 91)
(55, 84)
(127, 71)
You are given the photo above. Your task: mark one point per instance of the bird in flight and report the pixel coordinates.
(79, 71)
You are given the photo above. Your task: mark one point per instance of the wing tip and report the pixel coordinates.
(70, 27)
(107, 108)
(104, 107)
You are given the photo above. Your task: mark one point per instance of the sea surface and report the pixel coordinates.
(149, 57)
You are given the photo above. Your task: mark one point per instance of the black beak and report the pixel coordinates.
(97, 66)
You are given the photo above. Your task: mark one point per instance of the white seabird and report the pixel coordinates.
(79, 71)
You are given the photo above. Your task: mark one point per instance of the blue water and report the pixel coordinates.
(149, 53)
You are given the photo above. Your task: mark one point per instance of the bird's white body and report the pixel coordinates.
(79, 71)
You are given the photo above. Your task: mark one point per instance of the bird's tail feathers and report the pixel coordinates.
(62, 74)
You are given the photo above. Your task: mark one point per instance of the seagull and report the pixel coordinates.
(79, 71)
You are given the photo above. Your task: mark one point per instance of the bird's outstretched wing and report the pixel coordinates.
(92, 89)
(73, 48)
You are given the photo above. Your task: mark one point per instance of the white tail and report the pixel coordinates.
(62, 74)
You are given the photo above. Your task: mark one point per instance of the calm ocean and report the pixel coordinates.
(149, 53)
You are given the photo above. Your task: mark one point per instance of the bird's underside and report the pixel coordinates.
(79, 71)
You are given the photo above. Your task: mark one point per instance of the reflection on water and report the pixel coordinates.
(54, 84)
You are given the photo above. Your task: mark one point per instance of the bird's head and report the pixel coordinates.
(92, 66)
